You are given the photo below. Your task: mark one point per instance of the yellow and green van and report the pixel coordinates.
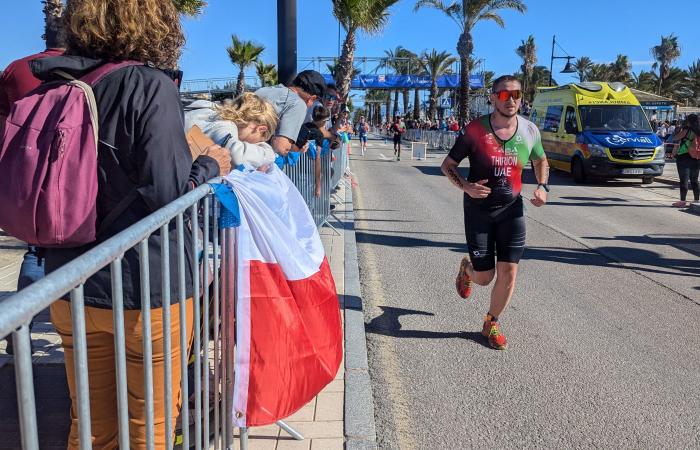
(597, 130)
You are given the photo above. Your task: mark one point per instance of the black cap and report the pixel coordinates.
(311, 82)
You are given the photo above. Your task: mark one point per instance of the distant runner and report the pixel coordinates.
(362, 129)
(397, 129)
(498, 147)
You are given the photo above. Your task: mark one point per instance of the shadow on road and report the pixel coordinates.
(687, 242)
(403, 241)
(388, 324)
(435, 170)
(631, 258)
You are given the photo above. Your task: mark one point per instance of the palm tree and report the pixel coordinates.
(583, 67)
(267, 73)
(467, 13)
(645, 81)
(369, 16)
(540, 76)
(190, 7)
(242, 54)
(620, 69)
(435, 65)
(664, 54)
(599, 72)
(528, 52)
(693, 80)
(53, 25)
(401, 61)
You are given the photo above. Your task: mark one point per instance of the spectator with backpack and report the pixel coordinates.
(16, 81)
(138, 162)
(687, 154)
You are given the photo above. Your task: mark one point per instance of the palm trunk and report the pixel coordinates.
(345, 66)
(388, 105)
(433, 99)
(395, 110)
(53, 28)
(465, 46)
(405, 102)
(416, 104)
(240, 85)
(661, 78)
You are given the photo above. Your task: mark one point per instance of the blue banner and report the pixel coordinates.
(362, 81)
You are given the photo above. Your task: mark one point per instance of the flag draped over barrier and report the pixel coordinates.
(288, 330)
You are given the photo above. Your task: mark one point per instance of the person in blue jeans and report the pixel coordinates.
(32, 269)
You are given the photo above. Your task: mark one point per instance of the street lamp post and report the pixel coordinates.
(286, 40)
(568, 68)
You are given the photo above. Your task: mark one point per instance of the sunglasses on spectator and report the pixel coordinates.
(505, 94)
(330, 97)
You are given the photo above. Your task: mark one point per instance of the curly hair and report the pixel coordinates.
(141, 30)
(249, 108)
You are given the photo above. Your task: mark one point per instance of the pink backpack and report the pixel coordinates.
(694, 148)
(48, 163)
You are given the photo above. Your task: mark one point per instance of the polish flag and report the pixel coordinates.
(288, 330)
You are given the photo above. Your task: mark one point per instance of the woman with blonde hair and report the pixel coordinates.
(144, 163)
(243, 126)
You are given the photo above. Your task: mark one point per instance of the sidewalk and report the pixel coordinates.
(321, 421)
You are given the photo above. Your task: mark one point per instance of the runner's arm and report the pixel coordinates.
(450, 169)
(541, 167)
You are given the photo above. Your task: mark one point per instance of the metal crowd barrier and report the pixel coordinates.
(443, 140)
(215, 250)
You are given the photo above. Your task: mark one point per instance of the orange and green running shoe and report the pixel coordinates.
(464, 281)
(492, 331)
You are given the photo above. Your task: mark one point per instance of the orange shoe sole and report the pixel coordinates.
(463, 283)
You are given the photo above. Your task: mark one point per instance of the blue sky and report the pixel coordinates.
(600, 30)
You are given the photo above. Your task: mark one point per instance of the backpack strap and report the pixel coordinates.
(117, 211)
(96, 75)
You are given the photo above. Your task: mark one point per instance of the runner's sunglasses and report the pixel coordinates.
(505, 94)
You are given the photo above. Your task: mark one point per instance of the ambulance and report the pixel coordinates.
(597, 131)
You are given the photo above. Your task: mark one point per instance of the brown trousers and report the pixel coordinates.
(102, 372)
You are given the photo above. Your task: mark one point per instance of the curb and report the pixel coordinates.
(360, 431)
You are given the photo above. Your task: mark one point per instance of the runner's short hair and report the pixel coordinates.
(502, 79)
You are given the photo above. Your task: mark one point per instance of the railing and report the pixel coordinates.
(216, 249)
(443, 140)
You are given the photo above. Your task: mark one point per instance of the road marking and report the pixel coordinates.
(381, 155)
(387, 358)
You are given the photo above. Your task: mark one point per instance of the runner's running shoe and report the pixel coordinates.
(464, 281)
(492, 331)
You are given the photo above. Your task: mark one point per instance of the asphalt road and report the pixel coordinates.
(603, 330)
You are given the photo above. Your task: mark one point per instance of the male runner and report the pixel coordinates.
(397, 128)
(498, 146)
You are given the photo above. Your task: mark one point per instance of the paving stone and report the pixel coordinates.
(329, 406)
(311, 430)
(327, 444)
(305, 414)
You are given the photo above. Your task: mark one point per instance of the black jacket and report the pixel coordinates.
(143, 147)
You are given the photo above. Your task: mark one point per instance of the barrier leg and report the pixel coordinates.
(291, 431)
(244, 438)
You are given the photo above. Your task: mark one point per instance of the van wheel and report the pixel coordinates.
(578, 171)
(647, 180)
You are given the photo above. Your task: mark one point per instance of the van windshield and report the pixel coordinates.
(613, 118)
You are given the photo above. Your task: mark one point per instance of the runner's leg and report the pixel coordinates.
(503, 288)
(510, 245)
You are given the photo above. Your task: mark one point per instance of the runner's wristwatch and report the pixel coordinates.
(543, 186)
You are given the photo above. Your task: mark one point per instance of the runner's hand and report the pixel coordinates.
(540, 197)
(477, 190)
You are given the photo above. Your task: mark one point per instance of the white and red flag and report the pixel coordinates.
(288, 328)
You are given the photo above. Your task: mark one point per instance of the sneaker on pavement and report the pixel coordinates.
(464, 281)
(492, 331)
